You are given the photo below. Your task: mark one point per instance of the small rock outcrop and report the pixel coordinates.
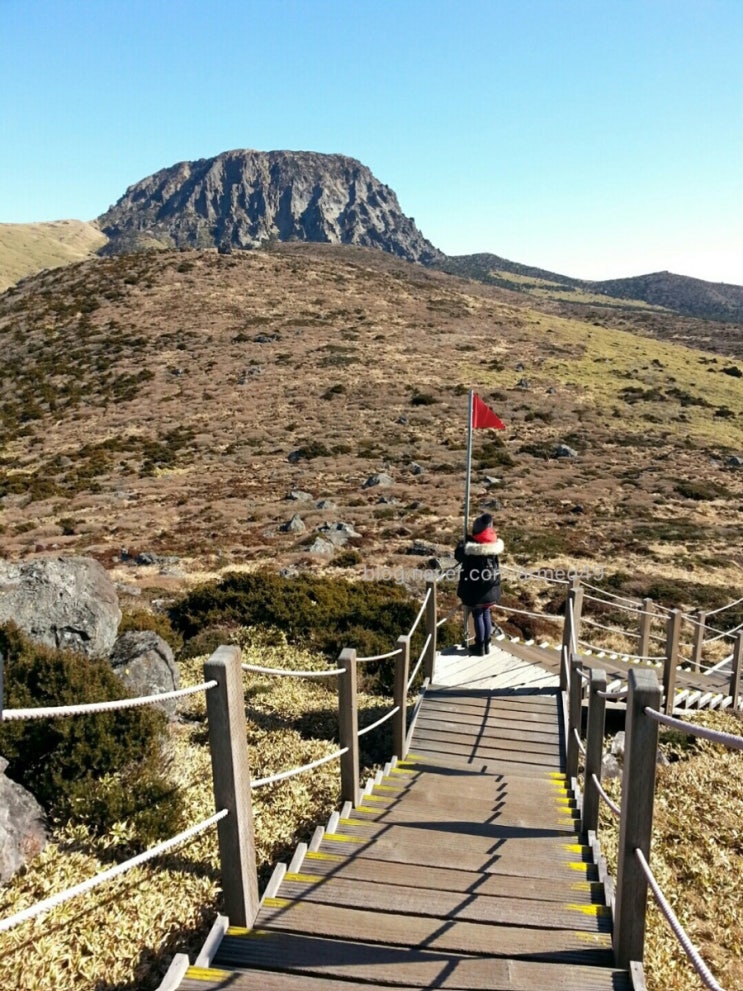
(67, 603)
(379, 479)
(23, 834)
(146, 665)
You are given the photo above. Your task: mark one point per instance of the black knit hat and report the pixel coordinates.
(482, 523)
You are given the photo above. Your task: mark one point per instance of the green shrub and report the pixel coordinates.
(142, 619)
(320, 612)
(99, 768)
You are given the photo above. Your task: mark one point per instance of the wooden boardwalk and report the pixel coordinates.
(461, 869)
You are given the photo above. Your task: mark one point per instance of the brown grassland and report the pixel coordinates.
(168, 402)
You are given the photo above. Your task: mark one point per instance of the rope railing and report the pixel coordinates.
(378, 657)
(680, 933)
(609, 802)
(610, 629)
(713, 612)
(630, 609)
(421, 612)
(714, 736)
(411, 679)
(611, 595)
(282, 775)
(59, 711)
(79, 889)
(288, 673)
(579, 742)
(533, 615)
(654, 659)
(613, 696)
(449, 616)
(384, 718)
(724, 633)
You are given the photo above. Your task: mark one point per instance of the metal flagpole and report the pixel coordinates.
(465, 611)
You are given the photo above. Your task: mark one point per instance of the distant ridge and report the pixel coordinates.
(678, 293)
(241, 199)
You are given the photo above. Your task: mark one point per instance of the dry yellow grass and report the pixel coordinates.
(27, 248)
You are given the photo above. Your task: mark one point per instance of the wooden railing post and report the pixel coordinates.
(348, 726)
(431, 619)
(571, 626)
(735, 676)
(635, 830)
(646, 620)
(696, 651)
(575, 714)
(594, 748)
(225, 708)
(400, 718)
(673, 637)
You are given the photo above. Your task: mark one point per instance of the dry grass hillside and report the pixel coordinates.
(27, 248)
(169, 402)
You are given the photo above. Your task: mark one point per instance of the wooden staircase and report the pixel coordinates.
(462, 868)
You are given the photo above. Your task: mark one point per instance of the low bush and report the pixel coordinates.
(323, 613)
(96, 769)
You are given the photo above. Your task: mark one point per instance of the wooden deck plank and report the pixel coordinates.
(400, 966)
(453, 879)
(418, 932)
(463, 906)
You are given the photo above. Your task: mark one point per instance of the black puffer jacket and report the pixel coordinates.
(479, 580)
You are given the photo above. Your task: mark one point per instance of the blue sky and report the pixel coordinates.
(596, 138)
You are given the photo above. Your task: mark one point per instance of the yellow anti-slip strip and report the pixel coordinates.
(276, 902)
(303, 878)
(318, 855)
(342, 838)
(600, 911)
(252, 933)
(207, 974)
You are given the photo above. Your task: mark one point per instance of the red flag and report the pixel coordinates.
(483, 416)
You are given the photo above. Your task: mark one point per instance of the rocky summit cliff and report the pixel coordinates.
(241, 199)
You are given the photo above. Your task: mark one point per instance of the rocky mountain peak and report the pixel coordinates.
(243, 198)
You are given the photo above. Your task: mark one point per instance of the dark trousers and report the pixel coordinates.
(483, 624)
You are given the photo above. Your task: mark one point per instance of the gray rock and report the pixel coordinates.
(524, 383)
(22, 831)
(402, 420)
(444, 562)
(294, 525)
(735, 461)
(617, 745)
(387, 501)
(610, 767)
(338, 534)
(145, 663)
(67, 603)
(321, 546)
(419, 549)
(379, 479)
(563, 451)
(297, 495)
(492, 480)
(416, 469)
(326, 504)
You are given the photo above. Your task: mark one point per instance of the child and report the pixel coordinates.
(479, 580)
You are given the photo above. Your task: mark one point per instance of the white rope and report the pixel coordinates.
(725, 633)
(523, 612)
(380, 657)
(79, 710)
(613, 696)
(259, 782)
(411, 679)
(612, 805)
(421, 611)
(723, 608)
(624, 657)
(714, 736)
(451, 615)
(93, 882)
(680, 933)
(578, 740)
(610, 629)
(610, 595)
(283, 672)
(385, 717)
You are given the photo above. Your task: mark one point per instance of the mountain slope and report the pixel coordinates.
(240, 199)
(170, 402)
(27, 248)
(660, 290)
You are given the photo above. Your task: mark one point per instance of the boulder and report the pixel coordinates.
(67, 603)
(564, 451)
(298, 495)
(294, 525)
(22, 831)
(338, 534)
(379, 479)
(321, 546)
(735, 461)
(145, 663)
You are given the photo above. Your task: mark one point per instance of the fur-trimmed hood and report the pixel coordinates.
(472, 548)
